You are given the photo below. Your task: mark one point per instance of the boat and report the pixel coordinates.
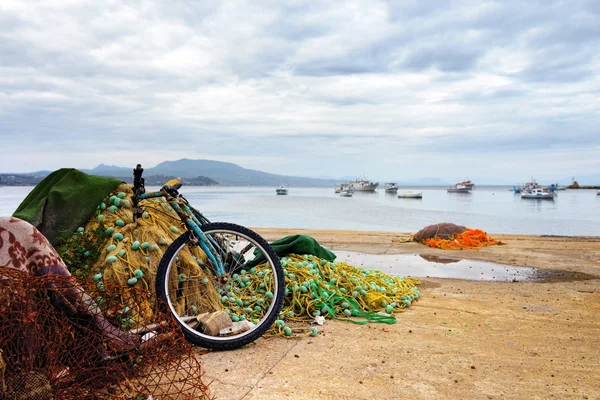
(281, 190)
(346, 193)
(458, 188)
(363, 185)
(467, 184)
(598, 193)
(556, 186)
(391, 187)
(538, 193)
(526, 186)
(345, 187)
(410, 195)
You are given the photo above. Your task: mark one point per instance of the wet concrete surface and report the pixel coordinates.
(428, 266)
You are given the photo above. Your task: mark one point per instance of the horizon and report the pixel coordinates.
(476, 89)
(414, 181)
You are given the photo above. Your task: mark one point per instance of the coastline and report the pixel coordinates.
(462, 339)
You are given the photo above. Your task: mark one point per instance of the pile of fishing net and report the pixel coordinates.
(316, 287)
(113, 249)
(320, 287)
(45, 354)
(448, 236)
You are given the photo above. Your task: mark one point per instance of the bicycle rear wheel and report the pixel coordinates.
(222, 312)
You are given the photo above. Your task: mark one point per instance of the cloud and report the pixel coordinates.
(297, 88)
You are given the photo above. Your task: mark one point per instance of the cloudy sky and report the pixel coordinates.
(488, 90)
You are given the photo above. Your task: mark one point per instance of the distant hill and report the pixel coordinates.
(20, 179)
(224, 173)
(159, 180)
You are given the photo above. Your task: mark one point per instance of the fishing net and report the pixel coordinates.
(470, 239)
(48, 355)
(318, 287)
(448, 236)
(113, 249)
(444, 230)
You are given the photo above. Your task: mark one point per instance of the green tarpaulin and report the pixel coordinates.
(64, 201)
(296, 244)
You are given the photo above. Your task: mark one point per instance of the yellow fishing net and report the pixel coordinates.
(113, 249)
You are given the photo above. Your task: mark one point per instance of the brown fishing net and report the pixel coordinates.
(48, 353)
(444, 230)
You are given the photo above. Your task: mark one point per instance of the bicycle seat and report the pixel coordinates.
(173, 184)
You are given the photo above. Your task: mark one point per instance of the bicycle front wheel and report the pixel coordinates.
(221, 312)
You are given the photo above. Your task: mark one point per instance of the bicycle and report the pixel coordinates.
(212, 290)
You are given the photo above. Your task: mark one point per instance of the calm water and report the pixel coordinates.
(426, 266)
(493, 209)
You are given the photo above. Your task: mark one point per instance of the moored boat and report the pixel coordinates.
(538, 193)
(468, 184)
(391, 187)
(281, 190)
(363, 185)
(526, 186)
(458, 188)
(345, 187)
(410, 195)
(346, 193)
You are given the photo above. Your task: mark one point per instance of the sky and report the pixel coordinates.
(486, 90)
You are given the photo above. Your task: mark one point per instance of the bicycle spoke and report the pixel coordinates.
(248, 298)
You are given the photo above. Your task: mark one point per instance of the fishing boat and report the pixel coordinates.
(411, 195)
(345, 187)
(391, 187)
(526, 186)
(364, 185)
(458, 188)
(538, 193)
(468, 184)
(281, 190)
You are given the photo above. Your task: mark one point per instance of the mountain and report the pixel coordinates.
(110, 170)
(224, 173)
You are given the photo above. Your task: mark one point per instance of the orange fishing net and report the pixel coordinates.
(471, 239)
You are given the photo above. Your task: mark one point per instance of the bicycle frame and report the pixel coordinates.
(191, 222)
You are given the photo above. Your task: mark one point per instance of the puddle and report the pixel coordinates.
(426, 266)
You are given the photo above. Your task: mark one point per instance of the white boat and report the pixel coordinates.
(411, 195)
(391, 187)
(526, 186)
(468, 184)
(598, 193)
(281, 190)
(538, 193)
(458, 188)
(346, 193)
(363, 185)
(345, 187)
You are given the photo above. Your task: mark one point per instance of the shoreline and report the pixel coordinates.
(461, 339)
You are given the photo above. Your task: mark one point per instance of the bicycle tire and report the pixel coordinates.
(168, 288)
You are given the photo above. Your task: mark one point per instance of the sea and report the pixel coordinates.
(494, 209)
